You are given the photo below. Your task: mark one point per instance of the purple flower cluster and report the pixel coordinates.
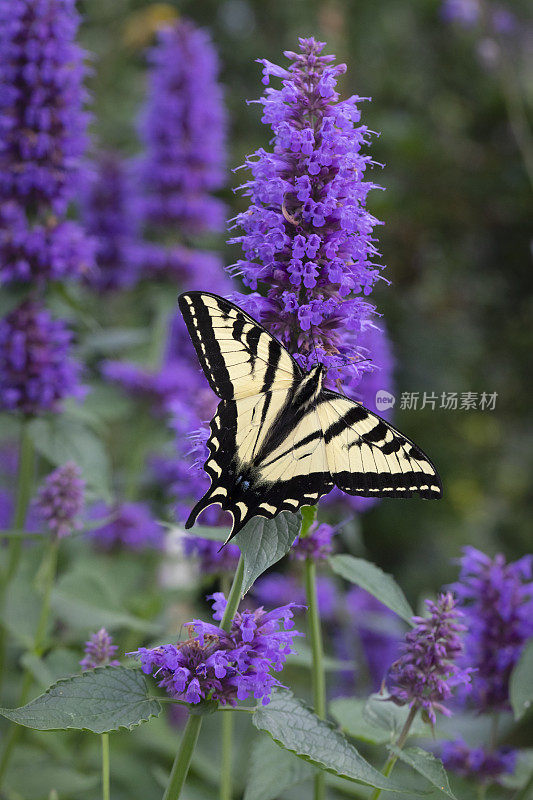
(426, 673)
(227, 667)
(497, 602)
(183, 131)
(131, 526)
(478, 763)
(36, 368)
(99, 651)
(53, 251)
(316, 545)
(212, 560)
(42, 122)
(110, 214)
(307, 236)
(190, 268)
(60, 499)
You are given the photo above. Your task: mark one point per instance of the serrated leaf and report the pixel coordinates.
(371, 578)
(60, 439)
(385, 714)
(427, 765)
(521, 683)
(98, 700)
(268, 760)
(85, 601)
(349, 713)
(33, 775)
(263, 542)
(294, 726)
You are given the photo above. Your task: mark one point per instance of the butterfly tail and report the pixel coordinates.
(211, 497)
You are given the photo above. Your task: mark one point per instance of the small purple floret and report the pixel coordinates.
(99, 651)
(60, 500)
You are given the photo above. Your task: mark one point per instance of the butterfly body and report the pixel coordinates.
(279, 439)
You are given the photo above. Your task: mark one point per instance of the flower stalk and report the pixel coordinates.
(105, 767)
(402, 738)
(317, 649)
(182, 762)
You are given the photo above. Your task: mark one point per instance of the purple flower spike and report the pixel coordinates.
(60, 499)
(497, 601)
(426, 673)
(317, 544)
(99, 651)
(478, 763)
(55, 251)
(227, 667)
(110, 214)
(183, 130)
(212, 559)
(42, 122)
(36, 368)
(307, 236)
(132, 527)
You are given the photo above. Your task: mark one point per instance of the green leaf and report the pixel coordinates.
(373, 580)
(86, 601)
(521, 683)
(60, 439)
(385, 714)
(294, 726)
(264, 541)
(349, 713)
(33, 775)
(98, 700)
(267, 761)
(427, 765)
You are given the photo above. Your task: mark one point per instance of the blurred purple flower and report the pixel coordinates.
(99, 651)
(61, 498)
(497, 601)
(316, 545)
(132, 527)
(426, 673)
(221, 666)
(190, 268)
(42, 122)
(307, 236)
(465, 12)
(157, 387)
(183, 130)
(478, 763)
(378, 629)
(7, 506)
(54, 251)
(36, 367)
(212, 560)
(110, 214)
(280, 588)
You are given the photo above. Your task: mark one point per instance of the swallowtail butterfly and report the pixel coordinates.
(279, 439)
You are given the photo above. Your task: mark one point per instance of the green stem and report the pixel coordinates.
(318, 675)
(402, 738)
(37, 649)
(105, 767)
(227, 750)
(234, 597)
(24, 489)
(182, 762)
